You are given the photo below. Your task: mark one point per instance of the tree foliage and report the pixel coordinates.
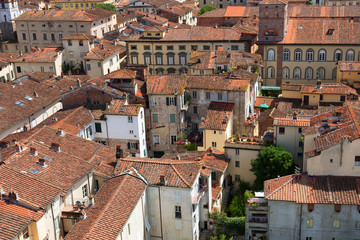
(205, 9)
(106, 6)
(272, 161)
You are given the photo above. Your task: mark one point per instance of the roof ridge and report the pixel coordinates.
(177, 172)
(353, 118)
(283, 185)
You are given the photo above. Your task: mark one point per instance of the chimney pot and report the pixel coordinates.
(56, 147)
(162, 179)
(33, 151)
(41, 162)
(60, 132)
(119, 152)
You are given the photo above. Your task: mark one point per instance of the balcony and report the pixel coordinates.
(258, 222)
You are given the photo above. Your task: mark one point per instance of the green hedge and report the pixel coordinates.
(235, 224)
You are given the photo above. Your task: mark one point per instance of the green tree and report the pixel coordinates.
(272, 161)
(205, 9)
(221, 237)
(106, 6)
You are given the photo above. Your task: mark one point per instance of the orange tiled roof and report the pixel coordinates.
(345, 66)
(78, 37)
(270, 101)
(288, 122)
(14, 218)
(178, 10)
(216, 13)
(165, 84)
(104, 50)
(177, 173)
(323, 11)
(217, 82)
(5, 58)
(328, 88)
(241, 11)
(273, 2)
(63, 15)
(218, 116)
(118, 107)
(45, 54)
(114, 204)
(314, 189)
(122, 73)
(215, 191)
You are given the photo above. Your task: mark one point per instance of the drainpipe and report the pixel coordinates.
(300, 221)
(341, 150)
(52, 212)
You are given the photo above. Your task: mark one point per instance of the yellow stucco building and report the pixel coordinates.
(348, 73)
(77, 4)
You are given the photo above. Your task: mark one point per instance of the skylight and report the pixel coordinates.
(49, 159)
(28, 98)
(19, 103)
(34, 171)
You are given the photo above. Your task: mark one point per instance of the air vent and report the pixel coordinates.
(34, 171)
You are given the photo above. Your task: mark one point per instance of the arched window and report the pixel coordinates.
(297, 55)
(320, 73)
(309, 73)
(297, 73)
(286, 55)
(54, 110)
(350, 55)
(45, 116)
(270, 72)
(337, 55)
(285, 73)
(334, 73)
(171, 70)
(33, 123)
(271, 55)
(322, 55)
(310, 55)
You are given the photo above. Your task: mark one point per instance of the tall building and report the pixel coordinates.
(8, 11)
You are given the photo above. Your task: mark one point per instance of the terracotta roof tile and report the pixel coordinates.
(115, 203)
(63, 15)
(241, 11)
(118, 107)
(123, 74)
(328, 88)
(45, 54)
(287, 122)
(218, 116)
(270, 101)
(314, 189)
(177, 10)
(104, 50)
(78, 37)
(217, 82)
(14, 218)
(215, 191)
(165, 84)
(214, 13)
(323, 11)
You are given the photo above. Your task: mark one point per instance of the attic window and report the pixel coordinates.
(19, 103)
(330, 32)
(34, 171)
(28, 98)
(270, 32)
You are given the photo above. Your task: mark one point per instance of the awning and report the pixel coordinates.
(275, 88)
(264, 105)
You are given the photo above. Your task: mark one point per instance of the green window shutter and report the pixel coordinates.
(129, 145)
(213, 176)
(167, 101)
(175, 98)
(136, 146)
(172, 118)
(155, 118)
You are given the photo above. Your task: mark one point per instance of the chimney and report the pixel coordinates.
(60, 132)
(33, 151)
(54, 119)
(211, 150)
(162, 179)
(18, 148)
(41, 162)
(295, 116)
(119, 152)
(78, 83)
(55, 147)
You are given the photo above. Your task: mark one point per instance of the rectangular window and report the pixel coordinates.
(237, 178)
(173, 139)
(153, 101)
(234, 47)
(18, 69)
(133, 47)
(195, 109)
(281, 130)
(147, 47)
(155, 117)
(213, 144)
(158, 47)
(172, 117)
(81, 43)
(88, 66)
(84, 191)
(42, 69)
(51, 69)
(24, 36)
(170, 47)
(134, 59)
(182, 47)
(177, 212)
(156, 139)
(237, 151)
(206, 47)
(219, 96)
(237, 164)
(207, 95)
(98, 127)
(158, 60)
(147, 60)
(194, 48)
(342, 98)
(336, 223)
(194, 94)
(130, 119)
(52, 37)
(308, 238)
(182, 60)
(170, 101)
(69, 43)
(357, 160)
(34, 36)
(213, 176)
(310, 222)
(170, 60)
(45, 36)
